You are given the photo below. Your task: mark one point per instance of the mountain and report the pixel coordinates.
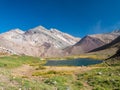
(115, 58)
(116, 31)
(40, 41)
(109, 49)
(84, 45)
(39, 35)
(114, 44)
(91, 42)
(108, 37)
(37, 42)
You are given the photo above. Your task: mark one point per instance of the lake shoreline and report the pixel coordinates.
(89, 56)
(74, 62)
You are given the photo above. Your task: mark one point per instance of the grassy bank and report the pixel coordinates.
(28, 73)
(16, 61)
(91, 56)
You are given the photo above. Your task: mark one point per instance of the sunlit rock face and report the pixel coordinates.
(37, 41)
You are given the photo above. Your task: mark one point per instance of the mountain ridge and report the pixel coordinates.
(86, 44)
(91, 42)
(42, 42)
(34, 41)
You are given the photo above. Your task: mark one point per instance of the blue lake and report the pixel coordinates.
(75, 62)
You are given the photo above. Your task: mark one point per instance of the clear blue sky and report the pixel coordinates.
(76, 17)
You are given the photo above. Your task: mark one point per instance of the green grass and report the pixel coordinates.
(103, 78)
(28, 84)
(51, 73)
(64, 82)
(15, 61)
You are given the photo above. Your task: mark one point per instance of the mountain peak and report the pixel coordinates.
(37, 29)
(40, 28)
(16, 30)
(116, 31)
(87, 37)
(53, 30)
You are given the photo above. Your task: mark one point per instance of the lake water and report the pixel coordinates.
(75, 62)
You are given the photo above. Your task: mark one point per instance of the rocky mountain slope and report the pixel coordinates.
(115, 57)
(84, 45)
(91, 42)
(107, 37)
(40, 41)
(108, 50)
(37, 41)
(39, 35)
(114, 44)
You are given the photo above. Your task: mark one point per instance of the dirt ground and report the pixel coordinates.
(27, 70)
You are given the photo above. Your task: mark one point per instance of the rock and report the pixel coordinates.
(99, 73)
(54, 82)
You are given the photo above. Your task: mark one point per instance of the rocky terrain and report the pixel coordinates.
(42, 42)
(84, 45)
(109, 50)
(92, 42)
(114, 59)
(114, 44)
(107, 37)
(37, 42)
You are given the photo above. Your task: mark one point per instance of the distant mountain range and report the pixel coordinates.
(42, 42)
(91, 42)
